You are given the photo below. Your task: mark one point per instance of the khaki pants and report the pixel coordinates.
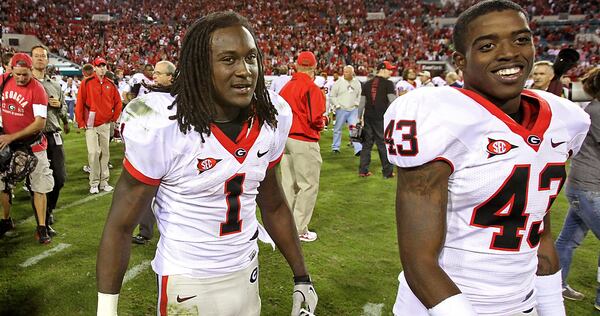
(97, 140)
(229, 295)
(300, 171)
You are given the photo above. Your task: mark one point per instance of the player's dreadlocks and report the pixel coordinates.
(193, 85)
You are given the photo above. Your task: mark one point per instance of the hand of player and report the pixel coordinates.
(66, 128)
(304, 299)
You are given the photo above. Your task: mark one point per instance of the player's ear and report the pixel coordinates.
(459, 60)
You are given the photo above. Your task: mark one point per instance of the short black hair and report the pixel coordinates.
(482, 8)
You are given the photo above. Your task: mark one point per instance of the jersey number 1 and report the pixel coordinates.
(233, 189)
(506, 208)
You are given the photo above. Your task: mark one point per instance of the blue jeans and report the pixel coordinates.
(583, 215)
(71, 108)
(342, 117)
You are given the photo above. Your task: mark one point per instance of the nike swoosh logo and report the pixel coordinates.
(183, 299)
(259, 154)
(554, 145)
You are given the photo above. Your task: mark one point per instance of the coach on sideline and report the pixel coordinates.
(98, 104)
(301, 162)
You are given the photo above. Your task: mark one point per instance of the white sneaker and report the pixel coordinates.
(94, 190)
(107, 188)
(308, 236)
(87, 169)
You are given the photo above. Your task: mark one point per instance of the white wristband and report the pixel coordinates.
(107, 304)
(453, 305)
(549, 300)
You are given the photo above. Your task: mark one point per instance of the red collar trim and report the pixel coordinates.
(244, 141)
(533, 136)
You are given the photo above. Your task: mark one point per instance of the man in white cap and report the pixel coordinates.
(425, 78)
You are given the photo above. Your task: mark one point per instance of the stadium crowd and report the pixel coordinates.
(338, 31)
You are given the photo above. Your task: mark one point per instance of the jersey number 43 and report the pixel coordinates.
(505, 209)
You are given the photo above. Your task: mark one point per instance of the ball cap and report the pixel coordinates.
(307, 59)
(21, 58)
(425, 73)
(99, 61)
(386, 65)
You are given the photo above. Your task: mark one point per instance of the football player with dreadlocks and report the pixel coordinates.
(206, 153)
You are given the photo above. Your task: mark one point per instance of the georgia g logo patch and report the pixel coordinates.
(498, 147)
(206, 164)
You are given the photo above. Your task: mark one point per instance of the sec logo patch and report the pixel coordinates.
(206, 164)
(498, 147)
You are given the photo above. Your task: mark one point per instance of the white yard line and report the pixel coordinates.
(133, 272)
(72, 204)
(371, 309)
(82, 201)
(33, 260)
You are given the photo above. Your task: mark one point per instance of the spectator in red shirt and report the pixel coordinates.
(98, 104)
(24, 110)
(301, 162)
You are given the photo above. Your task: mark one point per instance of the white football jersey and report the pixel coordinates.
(327, 90)
(206, 201)
(138, 78)
(504, 179)
(278, 82)
(403, 86)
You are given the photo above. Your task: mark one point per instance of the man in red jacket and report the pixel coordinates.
(301, 162)
(98, 104)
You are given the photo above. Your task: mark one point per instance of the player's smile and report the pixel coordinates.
(498, 58)
(244, 87)
(509, 74)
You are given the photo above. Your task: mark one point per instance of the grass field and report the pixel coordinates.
(354, 263)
